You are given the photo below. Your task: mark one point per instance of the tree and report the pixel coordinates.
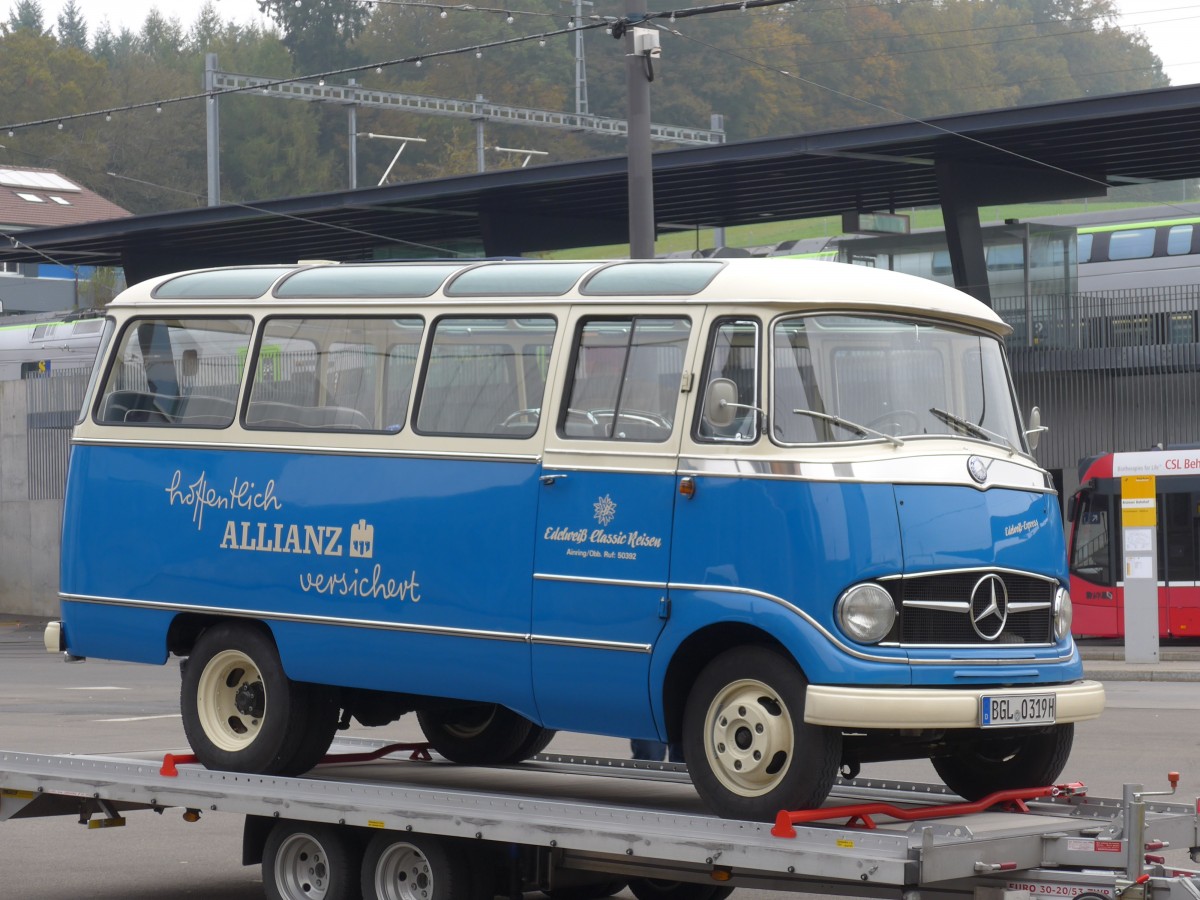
(319, 33)
(161, 38)
(26, 15)
(72, 29)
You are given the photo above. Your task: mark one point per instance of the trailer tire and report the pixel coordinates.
(417, 867)
(240, 711)
(658, 889)
(1001, 761)
(310, 861)
(597, 890)
(482, 734)
(747, 747)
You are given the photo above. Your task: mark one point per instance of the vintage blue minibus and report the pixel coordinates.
(784, 512)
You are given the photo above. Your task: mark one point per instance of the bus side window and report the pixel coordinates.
(626, 379)
(733, 356)
(485, 377)
(1091, 546)
(326, 373)
(176, 372)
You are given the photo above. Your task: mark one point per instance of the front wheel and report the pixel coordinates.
(240, 711)
(1010, 758)
(748, 749)
(482, 734)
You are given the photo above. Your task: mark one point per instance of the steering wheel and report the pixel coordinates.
(584, 414)
(530, 417)
(900, 421)
(646, 418)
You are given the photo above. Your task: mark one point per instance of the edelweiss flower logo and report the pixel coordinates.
(606, 510)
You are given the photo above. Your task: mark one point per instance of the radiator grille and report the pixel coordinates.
(919, 624)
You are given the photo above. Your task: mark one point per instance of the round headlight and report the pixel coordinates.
(1062, 613)
(866, 612)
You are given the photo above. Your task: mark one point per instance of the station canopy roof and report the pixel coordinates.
(1057, 150)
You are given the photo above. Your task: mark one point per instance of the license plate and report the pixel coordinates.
(1016, 709)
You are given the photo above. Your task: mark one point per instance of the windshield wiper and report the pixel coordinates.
(860, 430)
(966, 426)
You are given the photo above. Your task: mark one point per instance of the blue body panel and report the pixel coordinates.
(473, 579)
(436, 544)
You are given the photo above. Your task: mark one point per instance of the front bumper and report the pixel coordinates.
(882, 707)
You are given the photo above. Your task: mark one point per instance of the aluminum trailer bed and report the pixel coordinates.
(577, 827)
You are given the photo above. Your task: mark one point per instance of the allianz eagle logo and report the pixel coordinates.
(605, 509)
(305, 540)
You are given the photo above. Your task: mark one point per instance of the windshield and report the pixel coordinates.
(859, 378)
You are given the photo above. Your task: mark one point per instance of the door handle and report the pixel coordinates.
(550, 479)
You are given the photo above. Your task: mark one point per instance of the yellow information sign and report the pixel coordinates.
(1138, 509)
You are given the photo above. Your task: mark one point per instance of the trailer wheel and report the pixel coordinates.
(307, 861)
(748, 749)
(482, 734)
(416, 867)
(657, 889)
(240, 712)
(595, 891)
(1014, 758)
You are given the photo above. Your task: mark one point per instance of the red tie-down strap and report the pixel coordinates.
(417, 751)
(858, 815)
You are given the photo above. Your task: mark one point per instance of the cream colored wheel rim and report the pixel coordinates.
(749, 738)
(231, 700)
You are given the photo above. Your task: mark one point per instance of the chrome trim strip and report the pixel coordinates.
(914, 469)
(587, 644)
(964, 606)
(580, 579)
(869, 657)
(311, 448)
(374, 624)
(513, 637)
(906, 576)
(950, 606)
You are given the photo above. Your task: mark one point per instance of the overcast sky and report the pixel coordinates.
(1171, 26)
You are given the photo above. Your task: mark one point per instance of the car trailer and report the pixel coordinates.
(397, 823)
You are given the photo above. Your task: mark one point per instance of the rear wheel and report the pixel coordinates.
(307, 861)
(417, 867)
(1012, 758)
(749, 751)
(482, 734)
(240, 711)
(596, 890)
(658, 889)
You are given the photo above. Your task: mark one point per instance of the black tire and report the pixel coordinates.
(748, 749)
(482, 734)
(657, 889)
(310, 861)
(539, 738)
(596, 890)
(323, 709)
(417, 867)
(1011, 758)
(240, 712)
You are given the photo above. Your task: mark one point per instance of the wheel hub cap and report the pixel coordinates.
(750, 738)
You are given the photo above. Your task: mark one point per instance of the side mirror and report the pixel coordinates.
(1033, 433)
(720, 402)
